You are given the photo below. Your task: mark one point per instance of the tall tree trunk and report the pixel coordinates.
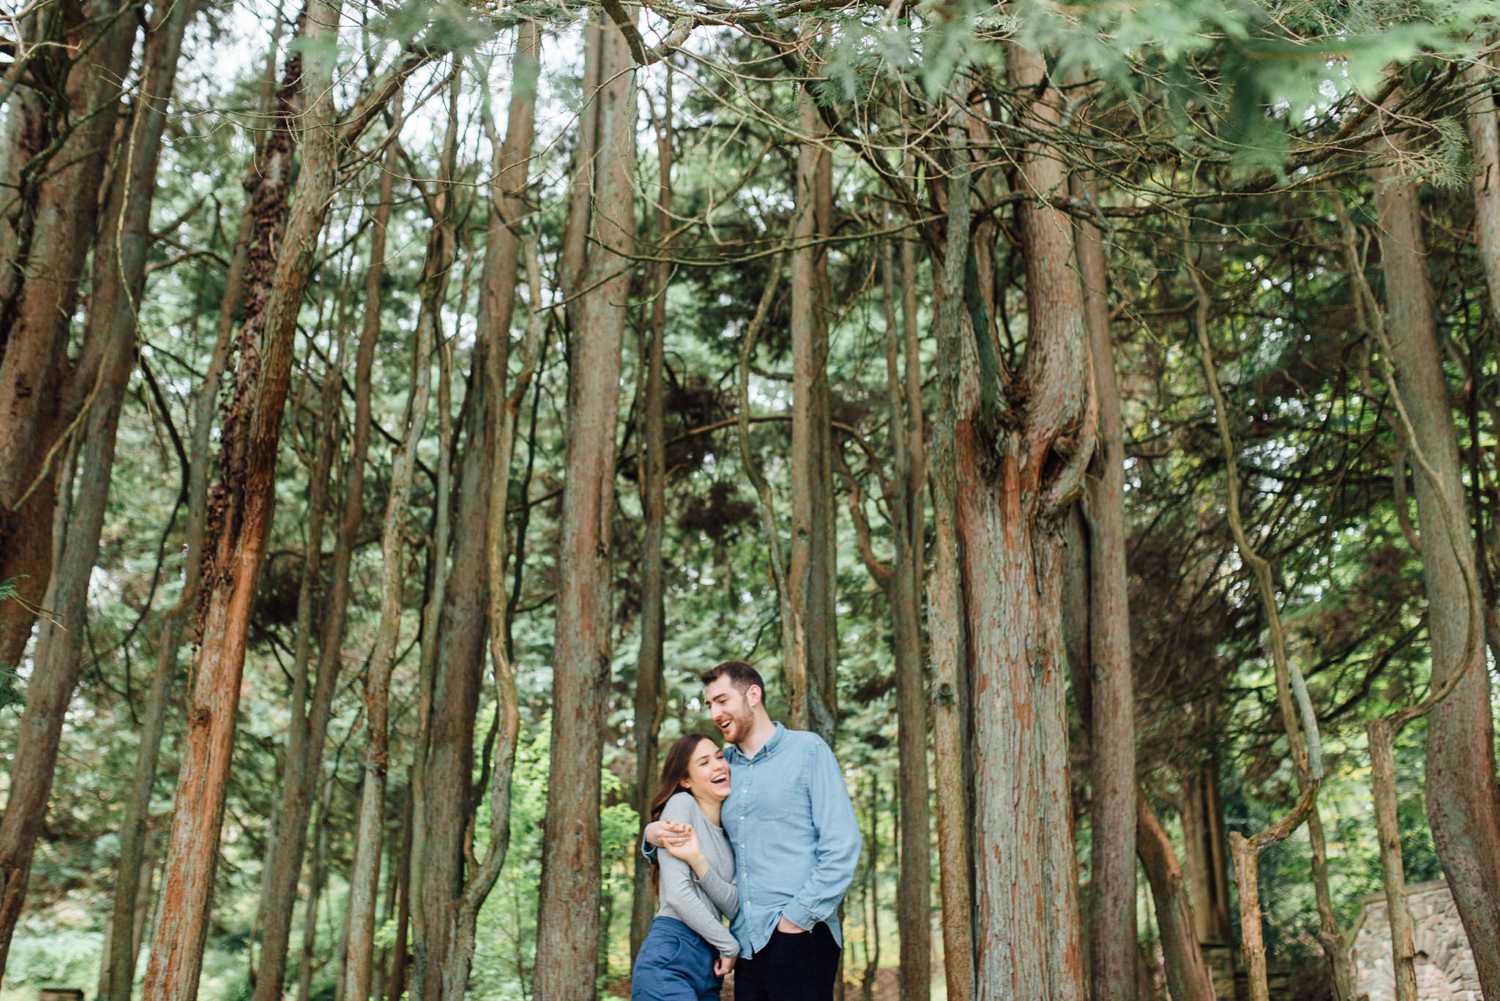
(369, 837)
(901, 581)
(810, 577)
(1112, 810)
(449, 753)
(1017, 469)
(568, 918)
(446, 906)
(241, 504)
(1463, 801)
(1188, 976)
(482, 873)
(946, 618)
(308, 730)
(86, 49)
(437, 264)
(904, 589)
(240, 508)
(650, 703)
(118, 281)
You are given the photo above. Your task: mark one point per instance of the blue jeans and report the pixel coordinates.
(674, 964)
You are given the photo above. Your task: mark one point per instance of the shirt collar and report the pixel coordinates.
(778, 732)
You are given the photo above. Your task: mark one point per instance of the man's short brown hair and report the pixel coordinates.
(740, 674)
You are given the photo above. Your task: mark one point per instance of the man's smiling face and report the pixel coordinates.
(732, 710)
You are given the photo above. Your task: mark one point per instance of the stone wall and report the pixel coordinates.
(1445, 966)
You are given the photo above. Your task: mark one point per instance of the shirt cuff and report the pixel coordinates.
(800, 916)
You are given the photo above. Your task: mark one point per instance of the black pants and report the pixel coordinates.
(790, 968)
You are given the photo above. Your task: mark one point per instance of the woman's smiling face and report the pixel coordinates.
(708, 772)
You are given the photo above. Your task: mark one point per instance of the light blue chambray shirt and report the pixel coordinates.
(795, 836)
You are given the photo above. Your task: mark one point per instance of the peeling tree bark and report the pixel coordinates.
(1017, 470)
(241, 503)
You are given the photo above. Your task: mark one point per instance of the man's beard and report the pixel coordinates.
(739, 728)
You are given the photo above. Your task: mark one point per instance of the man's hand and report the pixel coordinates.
(686, 848)
(786, 927)
(667, 833)
(723, 965)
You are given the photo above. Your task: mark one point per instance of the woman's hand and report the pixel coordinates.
(686, 848)
(723, 965)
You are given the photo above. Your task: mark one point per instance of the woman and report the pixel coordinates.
(688, 950)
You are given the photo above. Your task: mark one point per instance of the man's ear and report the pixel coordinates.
(755, 695)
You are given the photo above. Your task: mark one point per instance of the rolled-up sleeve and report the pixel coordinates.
(839, 842)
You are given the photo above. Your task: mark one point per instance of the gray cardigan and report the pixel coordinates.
(701, 904)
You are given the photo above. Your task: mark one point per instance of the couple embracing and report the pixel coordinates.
(760, 832)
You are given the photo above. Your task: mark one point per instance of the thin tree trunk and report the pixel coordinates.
(1293, 701)
(904, 589)
(317, 879)
(945, 624)
(133, 829)
(1112, 934)
(365, 875)
(872, 895)
(448, 760)
(568, 914)
(1388, 832)
(484, 872)
(649, 696)
(1463, 801)
(1017, 469)
(448, 905)
(1188, 975)
(810, 575)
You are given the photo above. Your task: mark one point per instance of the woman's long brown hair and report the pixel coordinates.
(674, 771)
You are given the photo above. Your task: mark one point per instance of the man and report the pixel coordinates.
(796, 843)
